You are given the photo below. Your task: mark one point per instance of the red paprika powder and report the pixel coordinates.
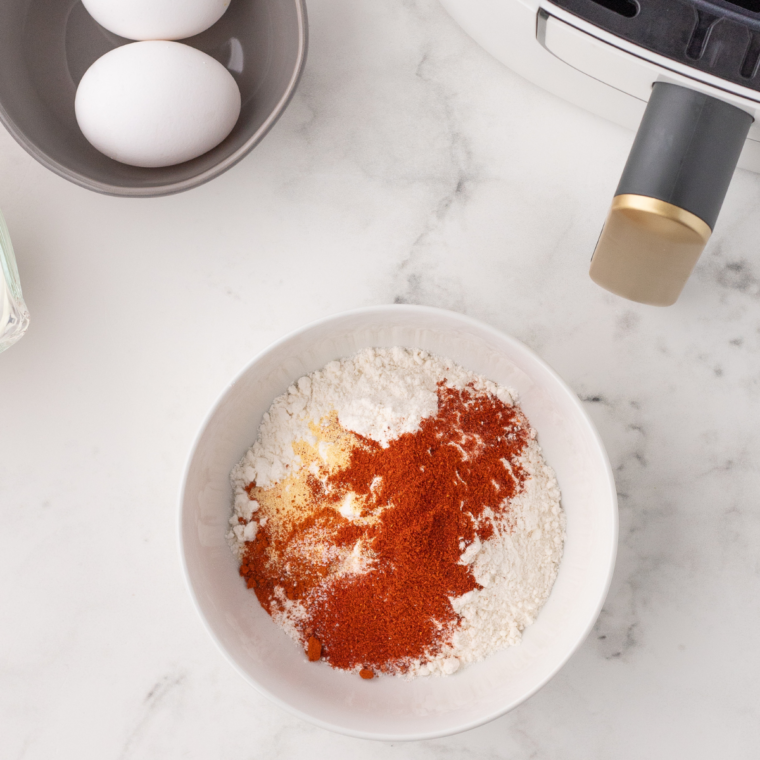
(424, 498)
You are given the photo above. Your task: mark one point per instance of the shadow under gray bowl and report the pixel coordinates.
(47, 45)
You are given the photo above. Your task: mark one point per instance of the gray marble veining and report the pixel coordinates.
(410, 168)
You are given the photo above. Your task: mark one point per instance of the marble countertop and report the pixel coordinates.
(412, 168)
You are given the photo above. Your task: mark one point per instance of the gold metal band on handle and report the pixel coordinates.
(664, 210)
(648, 249)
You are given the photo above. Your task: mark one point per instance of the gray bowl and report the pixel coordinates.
(47, 45)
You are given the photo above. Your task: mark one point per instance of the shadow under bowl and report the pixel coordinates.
(46, 46)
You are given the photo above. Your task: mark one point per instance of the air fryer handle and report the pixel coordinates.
(670, 194)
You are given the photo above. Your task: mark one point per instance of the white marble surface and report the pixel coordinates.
(410, 167)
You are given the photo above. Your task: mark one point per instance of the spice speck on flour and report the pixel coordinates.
(395, 515)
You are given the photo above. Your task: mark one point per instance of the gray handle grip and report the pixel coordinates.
(686, 150)
(670, 194)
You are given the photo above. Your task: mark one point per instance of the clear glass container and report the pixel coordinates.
(14, 316)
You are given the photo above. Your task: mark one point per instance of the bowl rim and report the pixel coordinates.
(610, 484)
(172, 188)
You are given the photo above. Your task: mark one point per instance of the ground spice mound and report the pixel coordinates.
(421, 500)
(396, 516)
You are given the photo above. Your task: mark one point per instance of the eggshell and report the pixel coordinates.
(156, 103)
(156, 19)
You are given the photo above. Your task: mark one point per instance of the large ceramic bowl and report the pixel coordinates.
(392, 708)
(47, 45)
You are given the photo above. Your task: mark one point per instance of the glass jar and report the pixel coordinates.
(14, 317)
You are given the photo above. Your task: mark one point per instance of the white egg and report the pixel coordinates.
(156, 103)
(156, 19)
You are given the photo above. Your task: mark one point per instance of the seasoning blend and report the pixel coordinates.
(14, 316)
(395, 516)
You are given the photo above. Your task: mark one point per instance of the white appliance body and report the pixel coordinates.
(590, 67)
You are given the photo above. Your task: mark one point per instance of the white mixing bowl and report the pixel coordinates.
(392, 708)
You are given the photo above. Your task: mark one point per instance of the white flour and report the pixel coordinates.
(516, 567)
(381, 394)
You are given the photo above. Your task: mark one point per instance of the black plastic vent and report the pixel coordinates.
(753, 6)
(700, 35)
(719, 37)
(752, 59)
(627, 8)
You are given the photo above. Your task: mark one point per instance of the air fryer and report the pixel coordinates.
(685, 73)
